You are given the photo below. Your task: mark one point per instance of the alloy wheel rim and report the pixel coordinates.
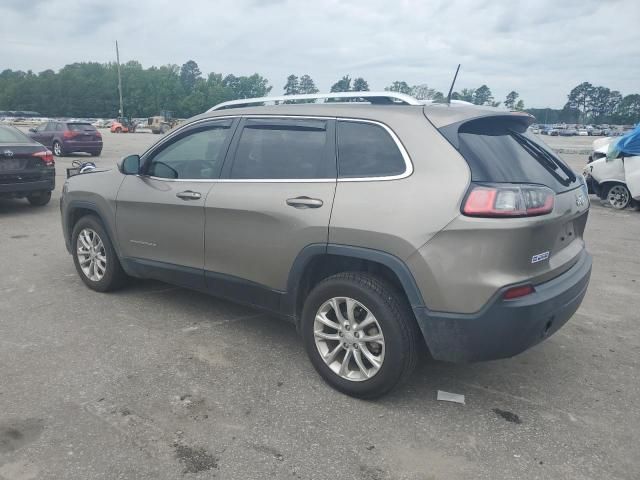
(349, 339)
(92, 255)
(57, 149)
(618, 197)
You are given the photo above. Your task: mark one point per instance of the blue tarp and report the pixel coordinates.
(628, 145)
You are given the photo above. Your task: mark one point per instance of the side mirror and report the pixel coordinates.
(129, 165)
(32, 130)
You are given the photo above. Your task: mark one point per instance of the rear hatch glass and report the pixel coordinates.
(81, 127)
(502, 150)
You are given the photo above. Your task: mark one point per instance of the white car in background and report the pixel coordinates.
(615, 180)
(583, 132)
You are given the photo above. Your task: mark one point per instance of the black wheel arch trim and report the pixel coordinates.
(307, 254)
(85, 205)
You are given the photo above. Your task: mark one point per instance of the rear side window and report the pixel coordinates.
(283, 149)
(502, 150)
(80, 127)
(367, 150)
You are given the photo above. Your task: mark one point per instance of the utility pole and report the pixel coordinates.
(119, 81)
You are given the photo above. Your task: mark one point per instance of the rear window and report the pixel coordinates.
(501, 150)
(367, 150)
(80, 127)
(12, 135)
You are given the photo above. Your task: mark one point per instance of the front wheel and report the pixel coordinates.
(94, 256)
(359, 334)
(618, 196)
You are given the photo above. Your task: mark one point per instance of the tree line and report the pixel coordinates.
(89, 89)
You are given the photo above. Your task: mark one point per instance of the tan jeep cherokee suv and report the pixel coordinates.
(376, 226)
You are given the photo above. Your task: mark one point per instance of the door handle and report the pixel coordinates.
(188, 195)
(304, 202)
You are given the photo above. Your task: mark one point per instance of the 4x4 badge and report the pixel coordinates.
(580, 200)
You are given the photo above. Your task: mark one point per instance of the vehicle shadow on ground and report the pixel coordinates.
(501, 383)
(20, 206)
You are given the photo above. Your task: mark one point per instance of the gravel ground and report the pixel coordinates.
(157, 382)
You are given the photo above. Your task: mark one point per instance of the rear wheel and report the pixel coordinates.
(94, 256)
(58, 151)
(359, 334)
(39, 199)
(618, 196)
(118, 130)
(96, 154)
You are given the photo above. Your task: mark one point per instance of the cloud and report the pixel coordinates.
(540, 49)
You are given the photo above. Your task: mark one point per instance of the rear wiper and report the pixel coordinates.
(544, 157)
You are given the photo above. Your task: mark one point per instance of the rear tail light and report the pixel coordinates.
(508, 200)
(70, 134)
(518, 292)
(46, 156)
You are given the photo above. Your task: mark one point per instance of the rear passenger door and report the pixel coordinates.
(274, 198)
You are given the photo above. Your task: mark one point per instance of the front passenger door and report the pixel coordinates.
(160, 213)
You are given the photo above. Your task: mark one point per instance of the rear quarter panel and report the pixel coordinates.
(399, 216)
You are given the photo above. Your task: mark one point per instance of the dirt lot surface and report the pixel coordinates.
(157, 382)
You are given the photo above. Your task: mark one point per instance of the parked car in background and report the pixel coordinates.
(567, 132)
(615, 180)
(27, 168)
(596, 131)
(499, 266)
(68, 137)
(552, 132)
(583, 132)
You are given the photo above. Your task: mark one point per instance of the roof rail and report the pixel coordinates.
(371, 97)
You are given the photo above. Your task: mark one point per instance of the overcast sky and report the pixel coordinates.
(540, 48)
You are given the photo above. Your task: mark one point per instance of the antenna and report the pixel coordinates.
(452, 84)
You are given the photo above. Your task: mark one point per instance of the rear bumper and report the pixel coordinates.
(19, 186)
(82, 146)
(504, 328)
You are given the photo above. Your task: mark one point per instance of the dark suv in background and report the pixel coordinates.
(68, 137)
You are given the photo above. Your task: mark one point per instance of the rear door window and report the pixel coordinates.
(501, 150)
(367, 150)
(284, 149)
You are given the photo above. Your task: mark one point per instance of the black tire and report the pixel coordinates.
(58, 151)
(96, 154)
(617, 195)
(396, 322)
(114, 276)
(39, 199)
(118, 130)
